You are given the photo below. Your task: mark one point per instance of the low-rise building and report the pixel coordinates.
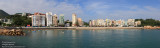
(137, 23)
(6, 21)
(131, 22)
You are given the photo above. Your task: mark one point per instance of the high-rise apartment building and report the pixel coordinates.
(90, 23)
(55, 20)
(61, 20)
(94, 23)
(49, 18)
(80, 22)
(38, 19)
(74, 20)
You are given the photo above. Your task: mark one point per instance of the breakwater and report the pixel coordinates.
(12, 32)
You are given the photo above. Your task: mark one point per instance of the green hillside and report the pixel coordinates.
(3, 14)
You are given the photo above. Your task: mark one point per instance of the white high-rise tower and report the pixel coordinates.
(74, 20)
(49, 18)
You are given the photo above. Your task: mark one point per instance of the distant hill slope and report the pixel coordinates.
(3, 14)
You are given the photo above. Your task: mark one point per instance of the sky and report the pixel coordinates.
(87, 9)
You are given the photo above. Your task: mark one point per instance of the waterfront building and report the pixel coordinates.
(125, 24)
(109, 24)
(61, 20)
(97, 22)
(38, 19)
(55, 20)
(120, 23)
(67, 25)
(80, 22)
(74, 20)
(90, 23)
(137, 23)
(49, 18)
(106, 22)
(94, 23)
(100, 23)
(113, 23)
(131, 22)
(6, 21)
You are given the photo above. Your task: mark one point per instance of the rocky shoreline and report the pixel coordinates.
(12, 32)
(81, 28)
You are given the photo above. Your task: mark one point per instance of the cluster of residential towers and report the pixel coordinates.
(48, 19)
(114, 23)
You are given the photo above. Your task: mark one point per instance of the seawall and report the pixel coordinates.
(82, 28)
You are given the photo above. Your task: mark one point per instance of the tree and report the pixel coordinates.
(20, 20)
(1, 23)
(151, 22)
(86, 23)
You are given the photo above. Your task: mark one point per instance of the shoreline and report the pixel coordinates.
(74, 28)
(82, 28)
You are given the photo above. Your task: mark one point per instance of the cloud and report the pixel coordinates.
(144, 13)
(87, 10)
(101, 10)
(96, 9)
(43, 6)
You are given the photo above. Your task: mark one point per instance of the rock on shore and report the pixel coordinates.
(12, 32)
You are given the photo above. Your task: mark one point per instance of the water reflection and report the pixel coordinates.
(112, 38)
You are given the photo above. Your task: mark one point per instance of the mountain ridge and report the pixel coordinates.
(3, 14)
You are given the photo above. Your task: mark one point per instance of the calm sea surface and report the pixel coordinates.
(109, 38)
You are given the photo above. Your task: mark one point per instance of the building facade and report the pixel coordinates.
(80, 22)
(6, 21)
(61, 20)
(49, 18)
(90, 23)
(131, 22)
(94, 23)
(74, 20)
(55, 20)
(137, 23)
(120, 23)
(38, 19)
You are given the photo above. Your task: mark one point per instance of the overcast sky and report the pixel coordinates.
(87, 9)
